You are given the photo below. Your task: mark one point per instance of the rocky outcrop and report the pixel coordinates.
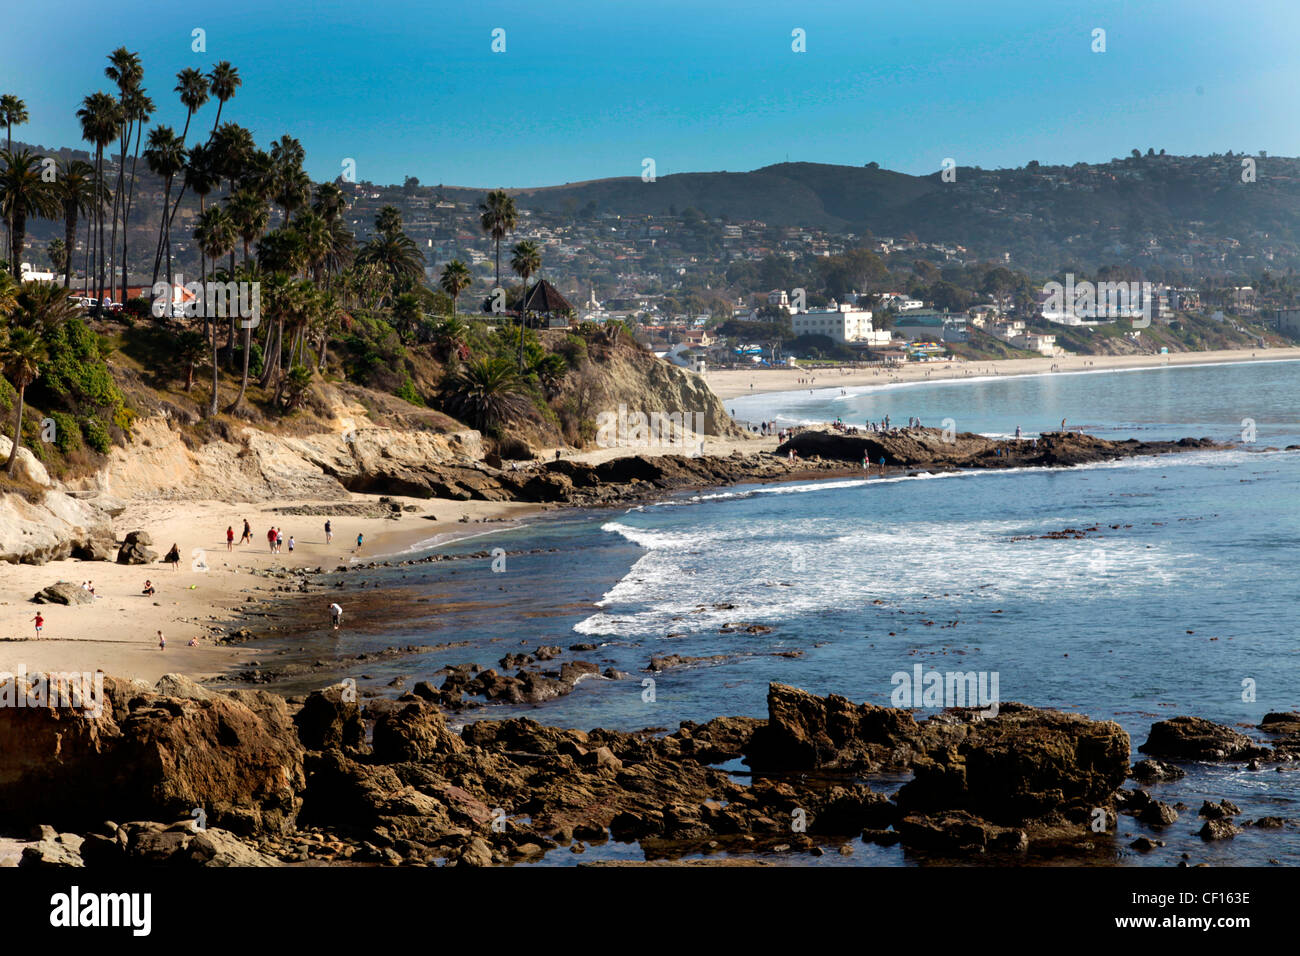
(136, 549)
(63, 592)
(54, 527)
(235, 756)
(1194, 738)
(936, 448)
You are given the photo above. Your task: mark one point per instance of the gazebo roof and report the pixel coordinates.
(544, 297)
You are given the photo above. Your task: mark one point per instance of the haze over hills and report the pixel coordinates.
(1198, 215)
(1175, 211)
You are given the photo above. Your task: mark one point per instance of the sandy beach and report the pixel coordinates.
(118, 632)
(729, 383)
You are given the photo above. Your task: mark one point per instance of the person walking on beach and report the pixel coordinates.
(279, 540)
(270, 539)
(359, 539)
(162, 642)
(174, 557)
(329, 532)
(336, 615)
(291, 544)
(40, 623)
(248, 534)
(230, 538)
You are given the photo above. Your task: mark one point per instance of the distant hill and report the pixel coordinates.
(1176, 211)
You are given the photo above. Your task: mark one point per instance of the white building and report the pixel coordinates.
(843, 324)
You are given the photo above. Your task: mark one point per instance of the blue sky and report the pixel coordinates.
(588, 88)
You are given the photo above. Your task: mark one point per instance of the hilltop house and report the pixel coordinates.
(930, 326)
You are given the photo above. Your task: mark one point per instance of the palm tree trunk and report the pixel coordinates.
(216, 364)
(126, 213)
(18, 434)
(69, 240)
(243, 382)
(125, 135)
(162, 225)
(99, 243)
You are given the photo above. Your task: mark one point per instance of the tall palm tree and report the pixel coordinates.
(23, 194)
(215, 235)
(193, 88)
(139, 109)
(455, 279)
(21, 359)
(498, 219)
(526, 262)
(58, 253)
(251, 214)
(231, 147)
(165, 157)
(13, 112)
(224, 80)
(246, 274)
(99, 119)
(76, 188)
(280, 255)
(125, 70)
(290, 184)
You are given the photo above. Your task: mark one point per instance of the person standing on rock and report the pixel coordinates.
(329, 532)
(336, 615)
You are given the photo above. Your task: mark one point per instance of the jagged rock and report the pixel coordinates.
(1223, 810)
(957, 832)
(1158, 814)
(64, 592)
(415, 732)
(235, 755)
(1155, 771)
(332, 718)
(1194, 738)
(135, 549)
(181, 687)
(50, 855)
(1218, 830)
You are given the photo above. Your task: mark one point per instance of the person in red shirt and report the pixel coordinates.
(230, 538)
(40, 623)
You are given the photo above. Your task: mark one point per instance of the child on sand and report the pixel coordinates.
(291, 544)
(230, 538)
(359, 537)
(40, 623)
(148, 588)
(162, 642)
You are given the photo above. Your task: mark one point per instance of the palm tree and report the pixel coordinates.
(190, 347)
(13, 112)
(485, 393)
(75, 187)
(193, 88)
(246, 273)
(406, 315)
(59, 255)
(398, 255)
(224, 80)
(251, 214)
(448, 336)
(125, 70)
(290, 184)
(21, 359)
(215, 235)
(455, 279)
(389, 221)
(280, 255)
(231, 147)
(99, 120)
(24, 193)
(526, 262)
(165, 157)
(497, 219)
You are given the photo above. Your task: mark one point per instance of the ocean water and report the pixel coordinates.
(1181, 601)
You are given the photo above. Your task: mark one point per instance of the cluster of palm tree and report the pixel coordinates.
(260, 220)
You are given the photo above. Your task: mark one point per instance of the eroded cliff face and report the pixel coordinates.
(49, 524)
(637, 380)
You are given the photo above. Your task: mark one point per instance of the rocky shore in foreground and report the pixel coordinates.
(198, 777)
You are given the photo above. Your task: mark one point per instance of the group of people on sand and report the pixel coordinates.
(275, 539)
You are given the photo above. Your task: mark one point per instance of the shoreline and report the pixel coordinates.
(736, 383)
